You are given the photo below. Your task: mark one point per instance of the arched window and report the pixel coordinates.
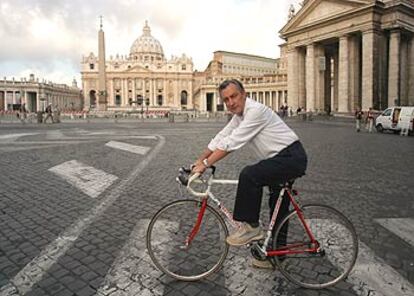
(183, 98)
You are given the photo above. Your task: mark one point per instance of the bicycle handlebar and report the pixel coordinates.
(184, 178)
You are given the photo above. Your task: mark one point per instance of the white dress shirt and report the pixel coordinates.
(259, 126)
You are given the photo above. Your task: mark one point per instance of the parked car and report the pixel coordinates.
(395, 119)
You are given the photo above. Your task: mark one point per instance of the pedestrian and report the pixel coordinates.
(281, 158)
(358, 118)
(49, 113)
(370, 120)
(57, 114)
(23, 113)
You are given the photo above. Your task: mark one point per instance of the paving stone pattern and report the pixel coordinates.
(366, 176)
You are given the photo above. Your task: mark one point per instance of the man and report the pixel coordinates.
(358, 117)
(49, 113)
(370, 120)
(282, 158)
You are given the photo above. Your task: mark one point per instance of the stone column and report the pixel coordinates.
(214, 102)
(404, 65)
(319, 79)
(124, 91)
(293, 73)
(310, 77)
(354, 73)
(370, 75)
(111, 95)
(134, 93)
(165, 93)
(302, 77)
(343, 87)
(335, 88)
(411, 72)
(394, 68)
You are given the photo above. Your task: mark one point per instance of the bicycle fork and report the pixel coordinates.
(196, 226)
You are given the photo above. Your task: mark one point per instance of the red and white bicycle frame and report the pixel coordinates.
(295, 248)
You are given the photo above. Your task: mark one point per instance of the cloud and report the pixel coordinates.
(50, 36)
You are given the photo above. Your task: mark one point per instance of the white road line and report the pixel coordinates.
(55, 134)
(372, 276)
(15, 136)
(403, 227)
(86, 178)
(33, 272)
(128, 147)
(133, 262)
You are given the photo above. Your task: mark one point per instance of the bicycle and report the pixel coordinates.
(316, 245)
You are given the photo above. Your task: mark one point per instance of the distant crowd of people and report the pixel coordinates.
(52, 113)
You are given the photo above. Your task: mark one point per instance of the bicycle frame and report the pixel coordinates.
(288, 249)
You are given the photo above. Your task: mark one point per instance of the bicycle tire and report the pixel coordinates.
(166, 235)
(337, 238)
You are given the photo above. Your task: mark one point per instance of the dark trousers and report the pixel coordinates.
(288, 164)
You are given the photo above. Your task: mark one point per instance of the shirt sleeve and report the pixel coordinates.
(226, 131)
(254, 121)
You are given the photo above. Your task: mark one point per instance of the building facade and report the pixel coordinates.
(144, 80)
(38, 94)
(264, 79)
(345, 54)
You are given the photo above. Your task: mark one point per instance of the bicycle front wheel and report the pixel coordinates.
(338, 247)
(166, 240)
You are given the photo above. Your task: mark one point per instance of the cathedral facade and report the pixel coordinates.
(142, 79)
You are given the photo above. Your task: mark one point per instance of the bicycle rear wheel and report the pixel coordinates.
(168, 231)
(338, 247)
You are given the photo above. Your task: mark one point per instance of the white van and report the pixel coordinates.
(395, 119)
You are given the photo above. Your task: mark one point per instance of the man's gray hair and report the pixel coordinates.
(227, 82)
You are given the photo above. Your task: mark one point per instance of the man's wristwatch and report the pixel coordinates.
(205, 162)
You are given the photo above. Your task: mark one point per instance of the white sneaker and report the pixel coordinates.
(262, 264)
(244, 235)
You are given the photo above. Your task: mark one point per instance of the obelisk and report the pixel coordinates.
(102, 100)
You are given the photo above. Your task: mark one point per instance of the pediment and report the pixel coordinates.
(315, 11)
(137, 68)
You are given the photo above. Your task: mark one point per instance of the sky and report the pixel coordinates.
(49, 37)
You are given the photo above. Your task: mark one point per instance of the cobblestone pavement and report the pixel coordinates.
(74, 209)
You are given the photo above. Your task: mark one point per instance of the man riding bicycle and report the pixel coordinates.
(282, 158)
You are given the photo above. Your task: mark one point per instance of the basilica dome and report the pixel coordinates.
(146, 48)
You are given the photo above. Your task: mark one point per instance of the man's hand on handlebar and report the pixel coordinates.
(198, 167)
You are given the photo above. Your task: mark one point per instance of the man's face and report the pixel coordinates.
(234, 99)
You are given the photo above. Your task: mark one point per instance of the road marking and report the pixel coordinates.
(403, 227)
(15, 136)
(55, 134)
(33, 272)
(86, 178)
(128, 147)
(133, 262)
(372, 276)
